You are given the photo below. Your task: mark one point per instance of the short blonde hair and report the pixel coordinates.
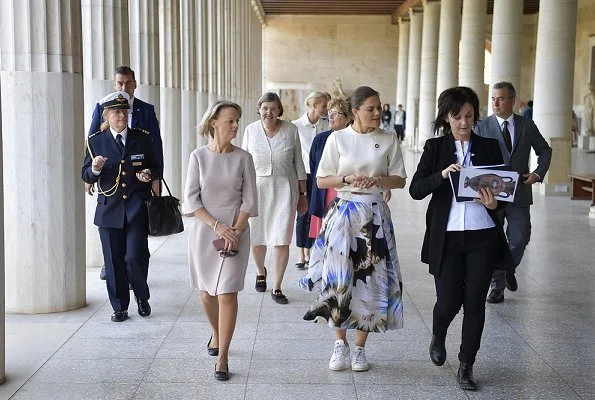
(314, 97)
(205, 128)
(342, 106)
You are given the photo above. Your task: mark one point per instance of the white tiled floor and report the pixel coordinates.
(536, 345)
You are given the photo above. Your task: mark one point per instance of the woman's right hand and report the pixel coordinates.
(230, 235)
(98, 163)
(451, 168)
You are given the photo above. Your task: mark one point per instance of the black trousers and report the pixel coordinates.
(302, 222)
(126, 257)
(400, 130)
(468, 261)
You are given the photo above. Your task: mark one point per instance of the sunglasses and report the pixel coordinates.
(228, 253)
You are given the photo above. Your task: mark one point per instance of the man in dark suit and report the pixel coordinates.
(122, 163)
(516, 136)
(142, 116)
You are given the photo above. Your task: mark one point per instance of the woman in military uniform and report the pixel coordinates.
(122, 162)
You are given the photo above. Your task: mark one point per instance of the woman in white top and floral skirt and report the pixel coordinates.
(354, 261)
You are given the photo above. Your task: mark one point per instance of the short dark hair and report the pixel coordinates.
(125, 70)
(530, 103)
(450, 102)
(360, 95)
(270, 97)
(506, 85)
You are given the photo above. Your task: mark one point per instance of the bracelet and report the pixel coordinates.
(215, 225)
(303, 193)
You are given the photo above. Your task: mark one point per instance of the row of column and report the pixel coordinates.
(185, 54)
(429, 62)
(58, 57)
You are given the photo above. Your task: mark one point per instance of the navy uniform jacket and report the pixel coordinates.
(143, 117)
(124, 202)
(438, 154)
(317, 195)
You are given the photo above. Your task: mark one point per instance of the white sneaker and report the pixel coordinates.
(340, 359)
(360, 363)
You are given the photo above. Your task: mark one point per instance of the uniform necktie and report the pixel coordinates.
(120, 143)
(506, 135)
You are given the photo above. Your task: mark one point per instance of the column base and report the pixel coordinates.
(586, 143)
(592, 212)
(555, 189)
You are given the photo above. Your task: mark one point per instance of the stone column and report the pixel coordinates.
(202, 77)
(448, 45)
(413, 75)
(170, 92)
(429, 65)
(41, 72)
(554, 81)
(103, 51)
(144, 49)
(507, 39)
(188, 36)
(472, 59)
(2, 289)
(403, 61)
(212, 10)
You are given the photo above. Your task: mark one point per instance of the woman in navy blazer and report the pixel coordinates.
(463, 241)
(340, 117)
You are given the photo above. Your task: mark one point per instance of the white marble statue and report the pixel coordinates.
(589, 112)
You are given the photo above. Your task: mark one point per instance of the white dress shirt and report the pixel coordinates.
(307, 131)
(467, 216)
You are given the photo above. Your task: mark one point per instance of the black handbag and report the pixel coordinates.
(164, 214)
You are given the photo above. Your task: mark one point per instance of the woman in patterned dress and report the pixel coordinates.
(281, 183)
(354, 262)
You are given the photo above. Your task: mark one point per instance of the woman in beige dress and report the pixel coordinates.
(221, 193)
(281, 183)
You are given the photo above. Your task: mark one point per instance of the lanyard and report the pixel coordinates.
(467, 154)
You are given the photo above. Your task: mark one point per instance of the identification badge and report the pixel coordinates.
(137, 163)
(137, 157)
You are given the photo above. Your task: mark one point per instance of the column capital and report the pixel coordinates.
(415, 10)
(403, 20)
(426, 2)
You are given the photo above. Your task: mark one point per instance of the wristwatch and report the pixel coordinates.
(344, 181)
(303, 193)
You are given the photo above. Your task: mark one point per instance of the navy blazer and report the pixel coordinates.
(120, 195)
(143, 117)
(526, 136)
(438, 154)
(317, 195)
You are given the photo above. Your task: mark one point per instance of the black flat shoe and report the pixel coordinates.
(511, 283)
(261, 282)
(465, 377)
(221, 375)
(144, 309)
(438, 350)
(120, 316)
(213, 351)
(496, 296)
(300, 265)
(279, 297)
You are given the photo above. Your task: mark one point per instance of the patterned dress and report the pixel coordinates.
(355, 267)
(354, 264)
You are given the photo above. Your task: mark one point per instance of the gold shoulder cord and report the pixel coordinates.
(111, 191)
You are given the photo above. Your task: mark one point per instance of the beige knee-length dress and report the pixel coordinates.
(224, 184)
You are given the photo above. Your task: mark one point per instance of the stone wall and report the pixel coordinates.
(307, 53)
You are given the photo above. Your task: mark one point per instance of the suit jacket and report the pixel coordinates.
(143, 117)
(526, 136)
(317, 195)
(438, 154)
(121, 196)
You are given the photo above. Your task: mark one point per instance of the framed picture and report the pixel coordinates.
(467, 183)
